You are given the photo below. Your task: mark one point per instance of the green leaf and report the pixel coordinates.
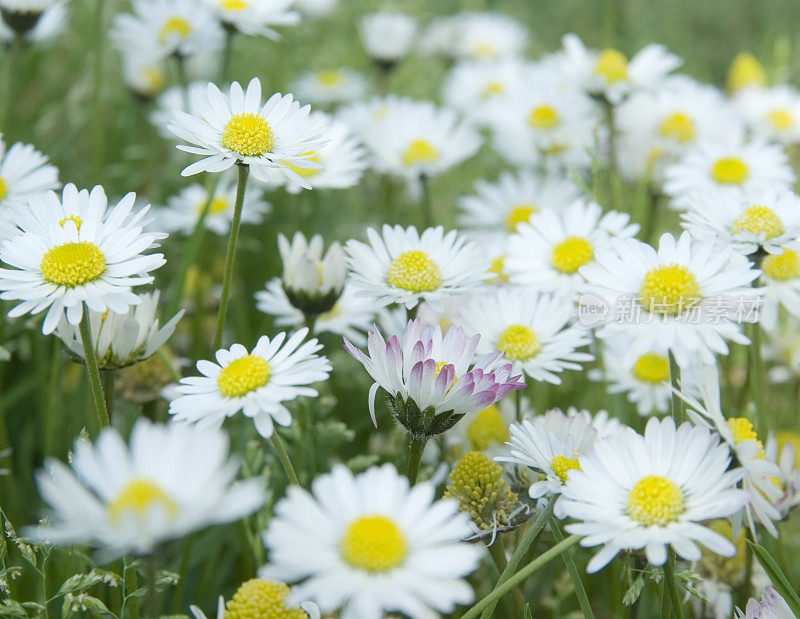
(10, 608)
(528, 612)
(634, 591)
(79, 583)
(361, 462)
(777, 577)
(94, 606)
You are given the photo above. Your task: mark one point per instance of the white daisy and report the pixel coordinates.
(771, 606)
(783, 448)
(388, 36)
(172, 480)
(238, 128)
(601, 421)
(49, 25)
(60, 264)
(485, 430)
(370, 544)
(175, 98)
(24, 173)
(316, 8)
(548, 252)
(331, 86)
(255, 17)
(23, 16)
(255, 383)
(688, 297)
(487, 35)
(402, 266)
(533, 331)
(771, 113)
(648, 492)
(472, 86)
(144, 74)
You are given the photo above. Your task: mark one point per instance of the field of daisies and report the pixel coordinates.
(360, 309)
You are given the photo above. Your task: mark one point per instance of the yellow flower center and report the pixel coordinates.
(243, 375)
(3, 188)
(262, 599)
(154, 79)
(496, 266)
(420, 151)
(414, 270)
(677, 126)
(571, 254)
(329, 79)
(520, 213)
(519, 343)
(758, 219)
(73, 264)
(742, 429)
(174, 26)
(561, 465)
(306, 172)
(729, 171)
(374, 544)
(781, 266)
(745, 71)
(780, 119)
(484, 49)
(248, 134)
(651, 368)
(76, 219)
(493, 88)
(488, 428)
(612, 65)
(218, 205)
(233, 5)
(138, 497)
(543, 117)
(669, 289)
(655, 500)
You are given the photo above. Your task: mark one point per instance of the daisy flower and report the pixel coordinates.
(402, 266)
(49, 25)
(330, 87)
(59, 265)
(173, 479)
(370, 545)
(255, 17)
(24, 15)
(771, 113)
(783, 448)
(175, 98)
(485, 430)
(487, 35)
(255, 383)
(601, 421)
(24, 173)
(238, 128)
(633, 492)
(688, 296)
(548, 252)
(309, 277)
(316, 8)
(771, 606)
(121, 340)
(717, 164)
(145, 75)
(533, 331)
(609, 73)
(422, 369)
(472, 86)
(746, 71)
(388, 36)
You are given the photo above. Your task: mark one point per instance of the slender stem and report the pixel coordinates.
(427, 204)
(574, 574)
(152, 592)
(671, 585)
(499, 558)
(177, 599)
(244, 171)
(13, 53)
(501, 589)
(280, 449)
(678, 413)
(227, 52)
(748, 569)
(94, 371)
(183, 80)
(414, 458)
(518, 404)
(98, 128)
(109, 378)
(756, 377)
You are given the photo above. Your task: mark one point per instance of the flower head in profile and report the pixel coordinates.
(22, 16)
(364, 544)
(746, 72)
(48, 25)
(255, 17)
(173, 479)
(771, 606)
(24, 173)
(330, 86)
(388, 36)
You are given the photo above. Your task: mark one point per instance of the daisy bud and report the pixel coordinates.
(746, 71)
(388, 36)
(312, 282)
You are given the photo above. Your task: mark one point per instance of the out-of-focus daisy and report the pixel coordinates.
(688, 296)
(746, 71)
(388, 36)
(24, 15)
(267, 597)
(121, 340)
(421, 369)
(402, 266)
(602, 422)
(496, 209)
(24, 172)
(175, 98)
(49, 24)
(487, 35)
(782, 344)
(60, 264)
(144, 74)
(485, 430)
(472, 86)
(547, 252)
(532, 330)
(173, 479)
(255, 383)
(316, 8)
(370, 544)
(718, 164)
(633, 492)
(783, 448)
(331, 86)
(182, 27)
(255, 17)
(183, 211)
(238, 128)
(771, 606)
(771, 113)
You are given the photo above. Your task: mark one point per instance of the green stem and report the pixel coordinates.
(414, 458)
(13, 53)
(501, 589)
(500, 561)
(152, 592)
(98, 128)
(671, 585)
(244, 171)
(177, 602)
(280, 449)
(183, 80)
(756, 377)
(109, 379)
(574, 574)
(427, 204)
(94, 371)
(227, 51)
(678, 412)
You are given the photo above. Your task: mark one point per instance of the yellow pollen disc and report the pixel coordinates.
(248, 134)
(571, 254)
(612, 65)
(414, 270)
(678, 127)
(484, 49)
(262, 599)
(154, 79)
(745, 71)
(3, 188)
(781, 266)
(561, 465)
(758, 219)
(789, 437)
(742, 430)
(138, 497)
(175, 25)
(496, 266)
(543, 117)
(669, 289)
(374, 544)
(493, 88)
(488, 428)
(729, 171)
(519, 343)
(305, 172)
(780, 119)
(73, 264)
(655, 500)
(76, 219)
(243, 375)
(218, 205)
(233, 5)
(420, 151)
(651, 368)
(329, 79)
(521, 213)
